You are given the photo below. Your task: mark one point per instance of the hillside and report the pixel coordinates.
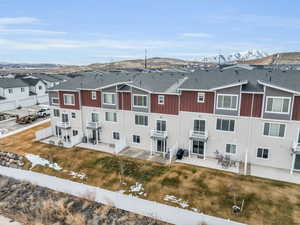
(289, 58)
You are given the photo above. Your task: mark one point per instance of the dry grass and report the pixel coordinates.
(210, 191)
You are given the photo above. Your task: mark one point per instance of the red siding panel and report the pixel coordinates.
(76, 97)
(296, 109)
(257, 105)
(246, 104)
(86, 99)
(125, 101)
(170, 106)
(188, 102)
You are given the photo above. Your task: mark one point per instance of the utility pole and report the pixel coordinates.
(145, 58)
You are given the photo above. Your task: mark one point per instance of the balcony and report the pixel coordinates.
(159, 134)
(296, 146)
(64, 125)
(198, 135)
(93, 125)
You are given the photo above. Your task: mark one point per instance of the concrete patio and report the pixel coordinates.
(102, 147)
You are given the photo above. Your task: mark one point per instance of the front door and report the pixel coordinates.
(198, 147)
(161, 145)
(297, 162)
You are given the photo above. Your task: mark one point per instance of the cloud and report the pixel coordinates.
(197, 35)
(29, 31)
(18, 20)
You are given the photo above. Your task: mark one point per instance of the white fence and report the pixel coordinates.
(173, 152)
(120, 145)
(44, 133)
(140, 206)
(23, 102)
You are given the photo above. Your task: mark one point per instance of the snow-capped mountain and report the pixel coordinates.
(239, 56)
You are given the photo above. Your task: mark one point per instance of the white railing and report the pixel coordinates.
(159, 134)
(198, 134)
(94, 125)
(296, 146)
(64, 125)
(44, 133)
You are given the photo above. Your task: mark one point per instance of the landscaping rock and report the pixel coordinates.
(31, 204)
(11, 160)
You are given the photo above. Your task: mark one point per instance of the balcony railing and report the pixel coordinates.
(93, 125)
(64, 125)
(159, 134)
(296, 146)
(194, 134)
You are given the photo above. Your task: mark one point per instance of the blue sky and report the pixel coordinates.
(83, 32)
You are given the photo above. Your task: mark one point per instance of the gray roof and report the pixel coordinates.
(171, 82)
(12, 83)
(31, 81)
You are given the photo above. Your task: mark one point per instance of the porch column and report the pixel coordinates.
(151, 150)
(293, 163)
(204, 151)
(190, 145)
(246, 163)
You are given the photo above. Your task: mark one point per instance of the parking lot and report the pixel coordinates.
(10, 125)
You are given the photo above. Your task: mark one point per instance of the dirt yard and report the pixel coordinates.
(208, 191)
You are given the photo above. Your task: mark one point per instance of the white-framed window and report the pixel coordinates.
(227, 102)
(10, 91)
(56, 112)
(69, 99)
(201, 97)
(140, 101)
(22, 89)
(109, 98)
(111, 116)
(116, 135)
(55, 101)
(141, 120)
(262, 153)
(278, 104)
(161, 100)
(75, 132)
(274, 129)
(225, 125)
(95, 117)
(230, 148)
(136, 139)
(73, 115)
(94, 95)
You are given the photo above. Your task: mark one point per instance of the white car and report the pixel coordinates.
(43, 112)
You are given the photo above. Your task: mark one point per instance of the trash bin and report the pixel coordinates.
(179, 154)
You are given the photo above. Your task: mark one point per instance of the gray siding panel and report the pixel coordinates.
(109, 90)
(140, 92)
(277, 93)
(233, 91)
(52, 94)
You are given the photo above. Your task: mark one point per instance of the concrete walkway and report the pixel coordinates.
(7, 221)
(136, 205)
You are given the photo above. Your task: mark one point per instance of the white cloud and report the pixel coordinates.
(197, 35)
(29, 31)
(18, 20)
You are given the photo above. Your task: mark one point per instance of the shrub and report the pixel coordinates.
(171, 182)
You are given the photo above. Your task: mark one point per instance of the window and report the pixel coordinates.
(75, 132)
(278, 105)
(274, 129)
(140, 100)
(230, 148)
(199, 125)
(40, 87)
(225, 125)
(109, 98)
(56, 112)
(136, 139)
(22, 89)
(73, 115)
(161, 125)
(10, 90)
(94, 95)
(262, 153)
(95, 117)
(227, 102)
(55, 101)
(201, 97)
(141, 120)
(161, 99)
(69, 99)
(111, 116)
(116, 135)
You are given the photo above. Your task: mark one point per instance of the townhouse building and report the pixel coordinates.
(249, 116)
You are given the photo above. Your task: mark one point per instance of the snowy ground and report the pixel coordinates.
(6, 221)
(133, 204)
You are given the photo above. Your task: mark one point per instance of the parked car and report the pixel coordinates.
(43, 112)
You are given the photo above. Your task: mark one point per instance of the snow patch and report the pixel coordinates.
(37, 160)
(172, 198)
(77, 175)
(138, 189)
